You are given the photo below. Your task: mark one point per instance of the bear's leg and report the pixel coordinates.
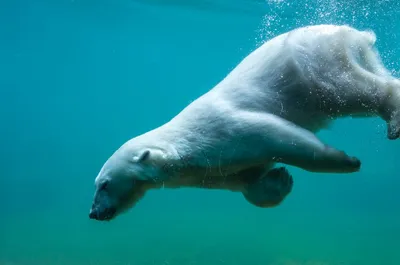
(388, 87)
(371, 88)
(269, 190)
(269, 138)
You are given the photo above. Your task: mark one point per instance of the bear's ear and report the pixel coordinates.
(142, 157)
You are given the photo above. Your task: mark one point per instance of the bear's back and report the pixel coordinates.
(311, 63)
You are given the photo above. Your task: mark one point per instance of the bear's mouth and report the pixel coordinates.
(96, 213)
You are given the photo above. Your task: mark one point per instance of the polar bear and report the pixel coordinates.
(265, 111)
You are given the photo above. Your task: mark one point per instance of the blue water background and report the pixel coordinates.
(78, 78)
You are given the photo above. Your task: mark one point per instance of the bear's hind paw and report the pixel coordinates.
(271, 189)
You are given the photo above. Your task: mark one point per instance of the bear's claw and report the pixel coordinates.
(353, 162)
(340, 160)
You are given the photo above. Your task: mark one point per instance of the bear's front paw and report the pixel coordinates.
(341, 161)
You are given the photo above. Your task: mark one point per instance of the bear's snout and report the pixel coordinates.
(101, 214)
(102, 209)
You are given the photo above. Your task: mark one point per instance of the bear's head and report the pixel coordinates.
(123, 181)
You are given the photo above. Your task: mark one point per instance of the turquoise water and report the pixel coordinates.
(78, 78)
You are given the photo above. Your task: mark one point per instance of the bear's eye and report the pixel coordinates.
(103, 185)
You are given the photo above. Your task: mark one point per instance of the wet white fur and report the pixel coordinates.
(267, 110)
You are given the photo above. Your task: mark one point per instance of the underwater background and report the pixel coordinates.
(80, 77)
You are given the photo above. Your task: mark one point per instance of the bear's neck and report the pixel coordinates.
(166, 139)
(182, 149)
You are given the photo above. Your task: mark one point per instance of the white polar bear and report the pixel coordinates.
(265, 111)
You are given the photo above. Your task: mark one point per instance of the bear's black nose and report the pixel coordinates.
(93, 214)
(101, 214)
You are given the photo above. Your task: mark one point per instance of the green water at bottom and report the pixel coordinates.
(206, 238)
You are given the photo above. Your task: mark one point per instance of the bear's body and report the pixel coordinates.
(265, 111)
